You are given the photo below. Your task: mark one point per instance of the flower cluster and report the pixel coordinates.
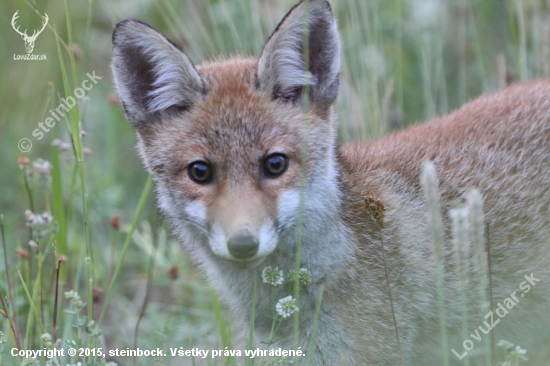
(38, 220)
(286, 306)
(302, 276)
(41, 225)
(47, 339)
(43, 168)
(513, 354)
(65, 146)
(272, 276)
(61, 145)
(74, 298)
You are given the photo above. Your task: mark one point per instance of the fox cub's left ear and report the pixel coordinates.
(152, 76)
(282, 70)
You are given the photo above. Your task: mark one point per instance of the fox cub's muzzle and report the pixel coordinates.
(243, 246)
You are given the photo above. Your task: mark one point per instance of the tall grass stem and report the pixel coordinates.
(430, 185)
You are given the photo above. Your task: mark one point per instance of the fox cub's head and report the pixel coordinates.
(230, 143)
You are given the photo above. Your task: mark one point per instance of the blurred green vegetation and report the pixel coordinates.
(403, 61)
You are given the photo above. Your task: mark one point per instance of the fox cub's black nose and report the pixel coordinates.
(243, 247)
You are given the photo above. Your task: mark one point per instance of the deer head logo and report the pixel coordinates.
(29, 40)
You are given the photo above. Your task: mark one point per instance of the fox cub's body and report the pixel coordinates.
(242, 172)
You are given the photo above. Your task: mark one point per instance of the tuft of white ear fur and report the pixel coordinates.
(150, 73)
(281, 69)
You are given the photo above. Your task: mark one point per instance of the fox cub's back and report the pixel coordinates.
(500, 144)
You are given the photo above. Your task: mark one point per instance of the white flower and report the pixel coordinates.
(43, 167)
(273, 276)
(33, 245)
(61, 145)
(520, 350)
(41, 225)
(286, 306)
(34, 220)
(503, 343)
(70, 295)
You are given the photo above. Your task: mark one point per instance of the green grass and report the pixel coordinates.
(403, 61)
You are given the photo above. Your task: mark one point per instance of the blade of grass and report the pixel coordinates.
(430, 184)
(49, 25)
(193, 363)
(477, 237)
(127, 242)
(6, 314)
(311, 346)
(77, 147)
(522, 54)
(223, 327)
(36, 294)
(303, 173)
(461, 243)
(250, 343)
(31, 302)
(56, 297)
(10, 295)
(490, 270)
(58, 207)
(148, 285)
(391, 299)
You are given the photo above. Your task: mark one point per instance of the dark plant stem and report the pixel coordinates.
(391, 299)
(13, 329)
(56, 297)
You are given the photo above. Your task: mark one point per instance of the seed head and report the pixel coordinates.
(272, 276)
(116, 222)
(23, 161)
(22, 253)
(173, 273)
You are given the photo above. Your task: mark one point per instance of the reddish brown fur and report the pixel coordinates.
(498, 143)
(233, 118)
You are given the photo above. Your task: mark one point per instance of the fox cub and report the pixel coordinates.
(245, 160)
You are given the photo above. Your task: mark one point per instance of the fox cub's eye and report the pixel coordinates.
(200, 172)
(275, 165)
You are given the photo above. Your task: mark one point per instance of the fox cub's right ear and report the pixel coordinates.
(152, 76)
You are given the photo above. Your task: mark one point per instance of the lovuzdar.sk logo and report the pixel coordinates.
(29, 40)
